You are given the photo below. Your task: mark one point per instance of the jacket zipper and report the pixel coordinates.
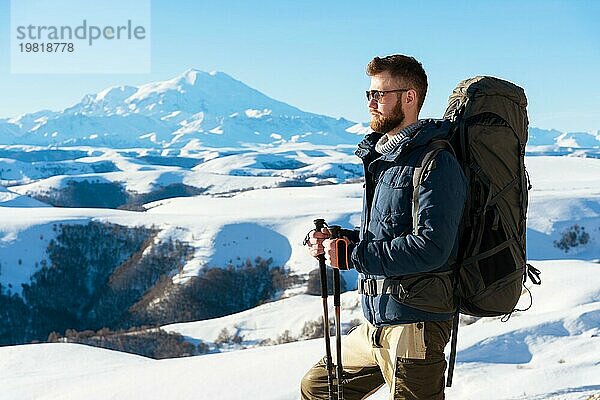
(370, 187)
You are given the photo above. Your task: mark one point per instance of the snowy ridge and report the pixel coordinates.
(218, 171)
(553, 142)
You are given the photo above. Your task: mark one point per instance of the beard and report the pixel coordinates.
(386, 124)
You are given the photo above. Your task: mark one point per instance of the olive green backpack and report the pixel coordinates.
(488, 137)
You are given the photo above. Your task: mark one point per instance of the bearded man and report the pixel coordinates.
(404, 282)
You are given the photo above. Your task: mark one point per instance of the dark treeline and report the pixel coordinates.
(111, 279)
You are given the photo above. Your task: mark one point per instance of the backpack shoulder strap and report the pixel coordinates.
(425, 164)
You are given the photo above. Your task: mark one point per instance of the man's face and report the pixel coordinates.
(387, 113)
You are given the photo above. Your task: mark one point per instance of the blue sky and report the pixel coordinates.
(312, 54)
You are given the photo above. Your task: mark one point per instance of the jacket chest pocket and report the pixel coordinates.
(393, 196)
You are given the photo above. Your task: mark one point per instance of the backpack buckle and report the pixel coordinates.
(368, 287)
(402, 293)
(371, 287)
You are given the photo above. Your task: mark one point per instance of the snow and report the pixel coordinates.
(12, 199)
(359, 129)
(269, 320)
(566, 191)
(14, 172)
(244, 169)
(250, 113)
(89, 373)
(16, 267)
(564, 174)
(549, 352)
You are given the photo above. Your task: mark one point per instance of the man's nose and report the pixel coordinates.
(373, 104)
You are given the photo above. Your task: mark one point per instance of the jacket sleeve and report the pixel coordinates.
(351, 234)
(442, 199)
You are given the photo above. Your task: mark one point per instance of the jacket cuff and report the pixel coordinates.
(351, 234)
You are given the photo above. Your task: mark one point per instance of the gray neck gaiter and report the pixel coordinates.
(386, 145)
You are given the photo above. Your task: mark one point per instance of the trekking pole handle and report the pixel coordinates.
(319, 225)
(336, 231)
(336, 234)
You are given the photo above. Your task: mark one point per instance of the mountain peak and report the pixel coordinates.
(116, 93)
(193, 75)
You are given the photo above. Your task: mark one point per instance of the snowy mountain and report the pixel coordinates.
(204, 109)
(211, 109)
(553, 142)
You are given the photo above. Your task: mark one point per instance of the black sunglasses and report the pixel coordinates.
(377, 95)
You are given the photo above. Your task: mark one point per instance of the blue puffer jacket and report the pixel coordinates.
(386, 245)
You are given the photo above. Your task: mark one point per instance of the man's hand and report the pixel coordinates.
(315, 241)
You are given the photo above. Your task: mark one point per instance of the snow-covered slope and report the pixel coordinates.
(246, 225)
(566, 191)
(16, 172)
(549, 352)
(270, 320)
(9, 198)
(273, 222)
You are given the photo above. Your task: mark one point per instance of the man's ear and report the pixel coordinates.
(411, 96)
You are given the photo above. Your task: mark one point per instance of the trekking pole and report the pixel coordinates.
(335, 234)
(319, 224)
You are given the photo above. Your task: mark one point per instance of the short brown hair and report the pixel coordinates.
(404, 67)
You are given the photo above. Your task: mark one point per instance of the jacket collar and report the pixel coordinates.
(428, 130)
(366, 147)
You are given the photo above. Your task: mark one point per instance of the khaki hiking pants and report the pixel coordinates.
(409, 358)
